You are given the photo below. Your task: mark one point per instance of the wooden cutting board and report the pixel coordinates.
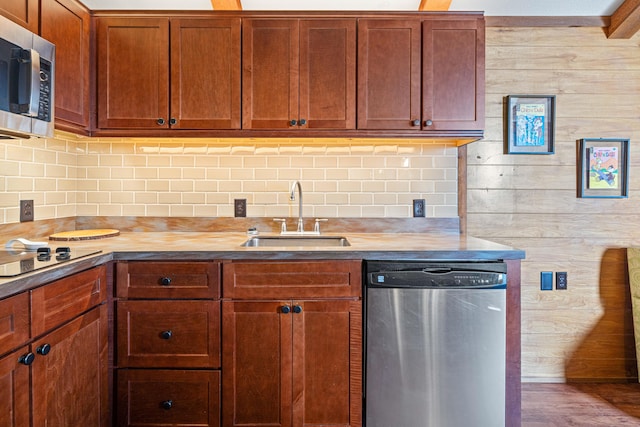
(100, 233)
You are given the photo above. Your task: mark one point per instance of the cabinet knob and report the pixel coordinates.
(173, 121)
(428, 122)
(27, 359)
(165, 281)
(416, 123)
(160, 121)
(167, 404)
(293, 122)
(44, 349)
(165, 335)
(297, 309)
(302, 122)
(286, 309)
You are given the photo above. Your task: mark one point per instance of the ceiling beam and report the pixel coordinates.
(625, 21)
(226, 4)
(428, 5)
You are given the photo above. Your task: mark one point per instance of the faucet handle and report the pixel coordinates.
(316, 226)
(283, 227)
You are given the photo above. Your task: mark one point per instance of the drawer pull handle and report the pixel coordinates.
(44, 349)
(167, 404)
(165, 281)
(286, 309)
(165, 335)
(27, 359)
(297, 309)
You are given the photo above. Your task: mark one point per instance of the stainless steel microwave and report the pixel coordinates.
(27, 75)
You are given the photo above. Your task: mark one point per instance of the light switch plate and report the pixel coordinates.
(546, 280)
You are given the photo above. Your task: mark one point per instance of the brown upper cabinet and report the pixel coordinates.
(24, 12)
(287, 74)
(67, 24)
(299, 73)
(421, 75)
(178, 73)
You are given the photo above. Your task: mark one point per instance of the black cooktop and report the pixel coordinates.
(15, 262)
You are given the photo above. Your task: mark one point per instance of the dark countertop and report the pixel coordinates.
(201, 246)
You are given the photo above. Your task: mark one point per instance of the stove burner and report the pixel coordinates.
(14, 263)
(44, 254)
(63, 253)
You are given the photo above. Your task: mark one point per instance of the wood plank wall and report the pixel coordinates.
(529, 201)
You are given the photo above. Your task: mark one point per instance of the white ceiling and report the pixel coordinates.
(490, 7)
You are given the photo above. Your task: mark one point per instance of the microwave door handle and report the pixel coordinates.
(34, 102)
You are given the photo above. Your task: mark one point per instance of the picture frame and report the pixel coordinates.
(603, 168)
(530, 124)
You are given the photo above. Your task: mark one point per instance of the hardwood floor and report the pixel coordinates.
(583, 405)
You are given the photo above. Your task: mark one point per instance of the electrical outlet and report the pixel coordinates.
(26, 210)
(418, 208)
(561, 280)
(240, 207)
(546, 280)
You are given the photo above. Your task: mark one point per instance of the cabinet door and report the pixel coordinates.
(66, 23)
(327, 363)
(389, 80)
(69, 377)
(453, 74)
(256, 364)
(168, 397)
(269, 73)
(14, 391)
(23, 12)
(205, 73)
(328, 73)
(133, 72)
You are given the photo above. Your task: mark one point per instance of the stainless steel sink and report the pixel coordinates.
(279, 241)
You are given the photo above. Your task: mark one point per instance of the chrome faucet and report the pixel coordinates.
(292, 197)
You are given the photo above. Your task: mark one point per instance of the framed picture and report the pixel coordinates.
(603, 168)
(530, 124)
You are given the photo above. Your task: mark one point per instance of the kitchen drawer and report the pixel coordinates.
(168, 334)
(62, 300)
(292, 279)
(14, 322)
(168, 397)
(168, 280)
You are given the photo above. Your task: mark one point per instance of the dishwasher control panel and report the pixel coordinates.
(436, 275)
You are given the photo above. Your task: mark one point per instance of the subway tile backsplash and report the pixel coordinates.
(69, 176)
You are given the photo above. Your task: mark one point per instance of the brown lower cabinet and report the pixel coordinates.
(287, 361)
(58, 379)
(167, 364)
(14, 390)
(291, 363)
(69, 383)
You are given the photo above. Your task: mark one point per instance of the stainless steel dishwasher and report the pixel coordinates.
(435, 344)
